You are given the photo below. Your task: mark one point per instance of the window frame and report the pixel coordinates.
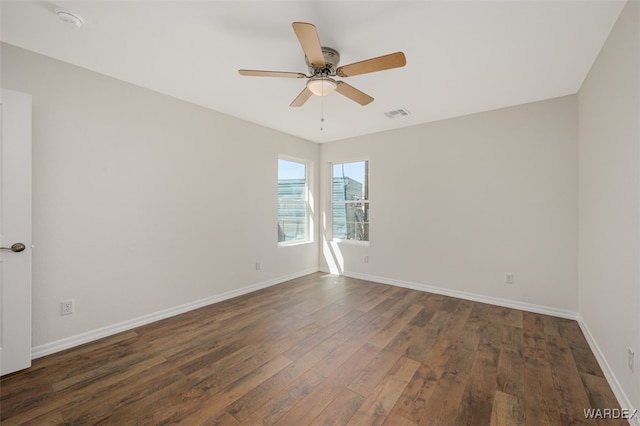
(308, 237)
(367, 201)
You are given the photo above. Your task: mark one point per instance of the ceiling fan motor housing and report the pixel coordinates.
(331, 59)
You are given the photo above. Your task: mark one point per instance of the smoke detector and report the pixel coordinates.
(69, 17)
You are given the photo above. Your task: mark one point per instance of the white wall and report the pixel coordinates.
(458, 203)
(609, 248)
(143, 202)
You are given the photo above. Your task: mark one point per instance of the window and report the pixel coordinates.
(292, 202)
(350, 201)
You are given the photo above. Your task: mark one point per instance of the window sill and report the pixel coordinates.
(294, 243)
(353, 242)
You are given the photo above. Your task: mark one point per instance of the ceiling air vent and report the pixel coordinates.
(397, 113)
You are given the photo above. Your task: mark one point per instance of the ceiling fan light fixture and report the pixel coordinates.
(321, 86)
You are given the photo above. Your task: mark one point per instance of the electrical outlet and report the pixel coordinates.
(366, 259)
(257, 266)
(508, 278)
(67, 307)
(631, 360)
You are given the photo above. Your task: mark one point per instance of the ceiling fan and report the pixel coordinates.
(323, 66)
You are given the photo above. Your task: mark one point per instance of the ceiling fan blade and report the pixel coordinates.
(310, 42)
(261, 73)
(353, 93)
(392, 60)
(301, 98)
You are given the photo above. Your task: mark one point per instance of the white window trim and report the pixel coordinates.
(308, 211)
(330, 203)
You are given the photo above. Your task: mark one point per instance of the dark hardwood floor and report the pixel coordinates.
(322, 349)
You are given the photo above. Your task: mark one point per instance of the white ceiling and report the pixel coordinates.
(462, 56)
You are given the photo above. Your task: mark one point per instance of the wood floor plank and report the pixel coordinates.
(340, 410)
(477, 401)
(260, 394)
(322, 349)
(512, 317)
(214, 406)
(311, 340)
(538, 379)
(413, 342)
(394, 419)
(412, 403)
(431, 303)
(123, 363)
(49, 418)
(582, 355)
(601, 397)
(510, 373)
(446, 399)
(120, 397)
(567, 381)
(309, 407)
(82, 395)
(507, 410)
(398, 321)
(348, 370)
(304, 398)
(373, 373)
(551, 325)
(350, 343)
(376, 408)
(154, 408)
(373, 301)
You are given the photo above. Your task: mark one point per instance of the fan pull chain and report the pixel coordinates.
(322, 111)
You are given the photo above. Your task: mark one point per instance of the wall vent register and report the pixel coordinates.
(402, 112)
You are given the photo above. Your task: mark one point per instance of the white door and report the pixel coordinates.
(15, 231)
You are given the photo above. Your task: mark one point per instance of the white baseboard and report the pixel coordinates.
(507, 303)
(82, 338)
(618, 391)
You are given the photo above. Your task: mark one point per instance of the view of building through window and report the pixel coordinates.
(350, 201)
(292, 201)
